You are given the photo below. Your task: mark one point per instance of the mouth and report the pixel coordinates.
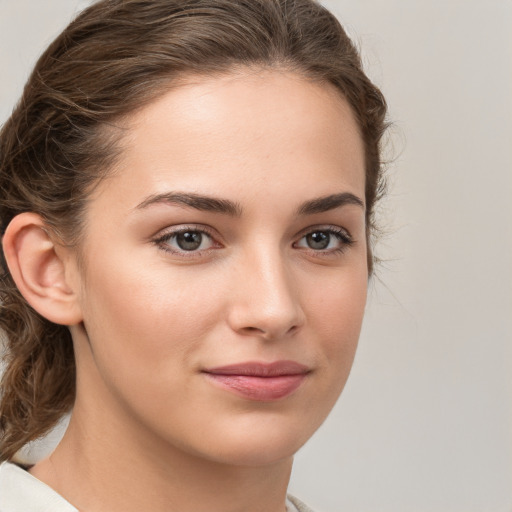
(258, 381)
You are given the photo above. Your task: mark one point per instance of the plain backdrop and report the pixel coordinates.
(425, 421)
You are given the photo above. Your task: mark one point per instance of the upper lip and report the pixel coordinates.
(260, 369)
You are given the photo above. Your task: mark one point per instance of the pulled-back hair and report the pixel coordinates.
(114, 58)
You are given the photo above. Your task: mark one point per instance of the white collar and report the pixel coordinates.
(21, 492)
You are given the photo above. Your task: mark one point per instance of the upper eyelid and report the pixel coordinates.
(167, 234)
(324, 227)
(175, 230)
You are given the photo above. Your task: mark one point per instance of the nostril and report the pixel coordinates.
(254, 330)
(267, 333)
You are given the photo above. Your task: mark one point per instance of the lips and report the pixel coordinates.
(259, 381)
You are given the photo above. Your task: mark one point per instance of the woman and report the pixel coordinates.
(187, 197)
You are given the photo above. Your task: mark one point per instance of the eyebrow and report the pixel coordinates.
(331, 202)
(227, 207)
(197, 201)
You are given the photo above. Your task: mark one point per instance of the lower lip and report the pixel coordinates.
(262, 389)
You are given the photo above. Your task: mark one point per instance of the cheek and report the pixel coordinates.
(337, 307)
(335, 316)
(156, 314)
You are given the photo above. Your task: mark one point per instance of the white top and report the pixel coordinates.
(21, 492)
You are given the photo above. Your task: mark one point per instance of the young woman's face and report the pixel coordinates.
(225, 268)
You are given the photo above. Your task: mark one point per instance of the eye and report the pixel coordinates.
(326, 240)
(187, 240)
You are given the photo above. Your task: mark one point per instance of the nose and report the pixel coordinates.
(265, 301)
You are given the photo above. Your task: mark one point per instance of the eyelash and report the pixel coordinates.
(340, 234)
(162, 241)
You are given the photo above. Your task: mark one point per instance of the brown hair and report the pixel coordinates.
(114, 58)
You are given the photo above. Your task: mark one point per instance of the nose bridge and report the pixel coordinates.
(267, 301)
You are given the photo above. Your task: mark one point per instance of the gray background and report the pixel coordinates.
(425, 422)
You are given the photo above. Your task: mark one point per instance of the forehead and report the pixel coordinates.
(242, 133)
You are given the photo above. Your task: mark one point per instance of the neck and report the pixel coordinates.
(104, 463)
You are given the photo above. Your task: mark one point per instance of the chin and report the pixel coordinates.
(254, 454)
(261, 443)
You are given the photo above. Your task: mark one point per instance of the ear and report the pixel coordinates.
(41, 269)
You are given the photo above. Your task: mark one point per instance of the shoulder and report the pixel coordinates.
(296, 503)
(21, 492)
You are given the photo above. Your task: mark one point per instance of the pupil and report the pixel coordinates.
(318, 240)
(189, 241)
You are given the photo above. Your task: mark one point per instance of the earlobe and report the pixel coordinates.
(39, 268)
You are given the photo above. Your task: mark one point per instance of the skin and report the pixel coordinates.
(151, 317)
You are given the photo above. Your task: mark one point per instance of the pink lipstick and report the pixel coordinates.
(259, 381)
